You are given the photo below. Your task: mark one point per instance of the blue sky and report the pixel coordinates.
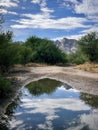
(52, 19)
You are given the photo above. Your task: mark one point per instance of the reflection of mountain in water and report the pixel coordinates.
(67, 87)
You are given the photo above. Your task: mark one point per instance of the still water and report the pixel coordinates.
(52, 105)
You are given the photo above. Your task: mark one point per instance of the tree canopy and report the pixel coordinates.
(89, 46)
(45, 51)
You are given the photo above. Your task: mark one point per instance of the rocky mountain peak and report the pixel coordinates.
(67, 45)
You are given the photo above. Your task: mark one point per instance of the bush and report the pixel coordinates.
(25, 54)
(77, 58)
(5, 87)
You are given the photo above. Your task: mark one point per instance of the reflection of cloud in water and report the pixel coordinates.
(91, 120)
(88, 121)
(79, 127)
(15, 123)
(68, 110)
(45, 105)
(48, 107)
(62, 87)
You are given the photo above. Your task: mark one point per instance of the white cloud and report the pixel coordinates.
(45, 21)
(43, 6)
(4, 11)
(77, 37)
(92, 29)
(68, 3)
(87, 7)
(73, 1)
(43, 3)
(5, 4)
(11, 12)
(9, 3)
(36, 1)
(46, 10)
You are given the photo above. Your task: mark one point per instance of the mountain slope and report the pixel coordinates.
(67, 45)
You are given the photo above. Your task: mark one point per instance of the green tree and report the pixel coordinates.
(89, 45)
(8, 51)
(25, 54)
(45, 51)
(9, 56)
(49, 53)
(34, 42)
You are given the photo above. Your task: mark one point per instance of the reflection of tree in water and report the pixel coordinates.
(42, 86)
(4, 125)
(10, 109)
(4, 121)
(89, 99)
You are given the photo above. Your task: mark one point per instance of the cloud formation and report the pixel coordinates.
(86, 7)
(63, 15)
(9, 3)
(4, 11)
(44, 22)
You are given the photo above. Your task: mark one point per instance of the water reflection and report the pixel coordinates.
(4, 124)
(51, 105)
(4, 119)
(89, 99)
(43, 86)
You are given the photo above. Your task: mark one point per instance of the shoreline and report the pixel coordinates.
(83, 81)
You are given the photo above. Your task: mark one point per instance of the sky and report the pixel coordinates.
(52, 19)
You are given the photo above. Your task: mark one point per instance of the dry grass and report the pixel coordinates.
(91, 67)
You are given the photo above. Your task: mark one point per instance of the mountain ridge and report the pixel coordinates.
(66, 45)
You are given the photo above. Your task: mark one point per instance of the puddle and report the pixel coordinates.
(48, 104)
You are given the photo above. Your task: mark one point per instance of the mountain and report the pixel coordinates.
(67, 45)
